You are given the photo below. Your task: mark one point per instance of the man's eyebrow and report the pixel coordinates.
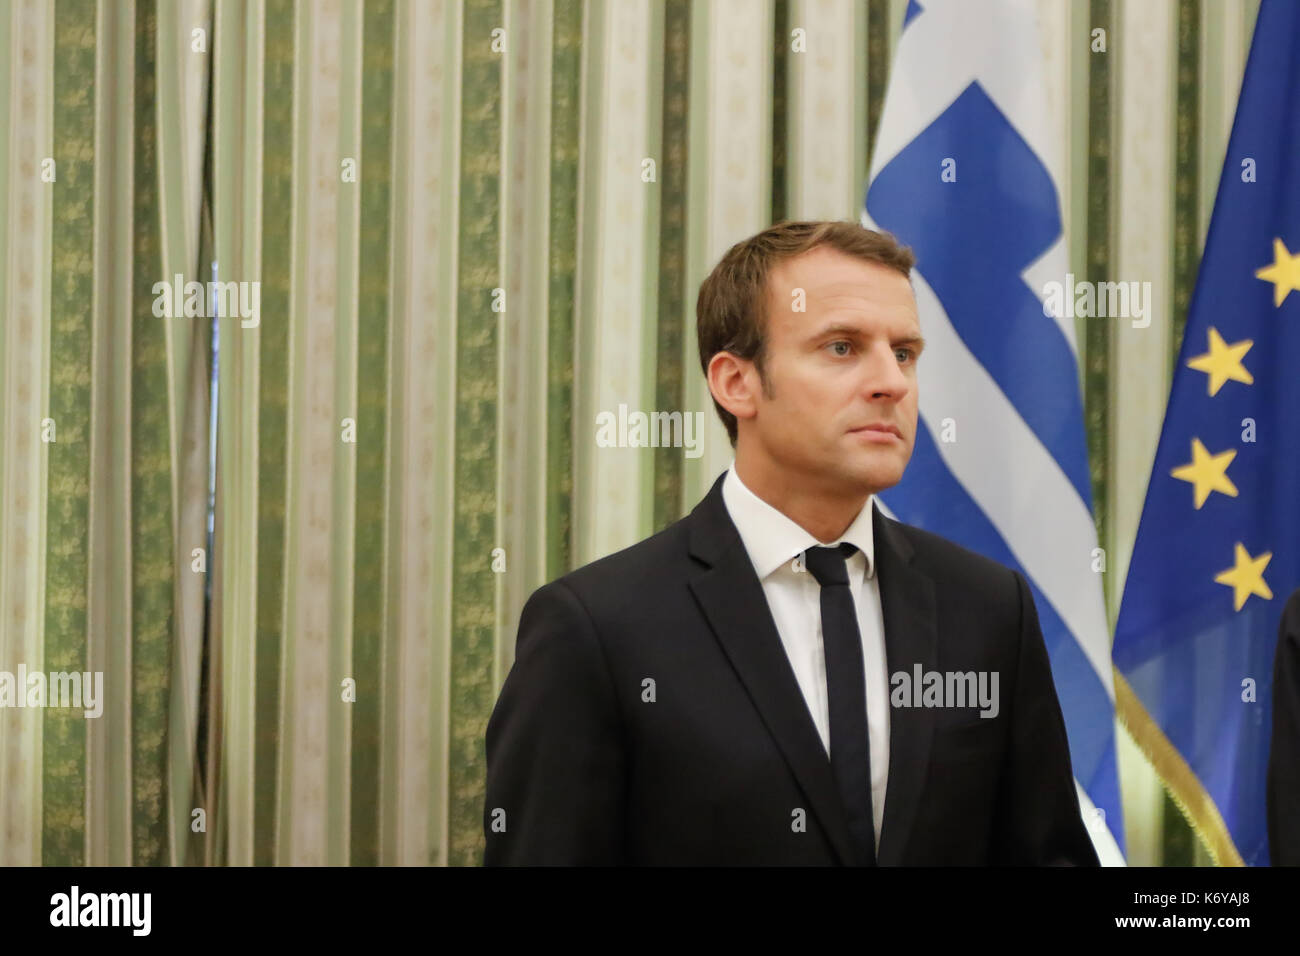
(837, 329)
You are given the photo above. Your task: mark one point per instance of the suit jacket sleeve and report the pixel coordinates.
(556, 791)
(1039, 819)
(1284, 753)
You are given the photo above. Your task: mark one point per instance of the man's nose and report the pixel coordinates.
(882, 376)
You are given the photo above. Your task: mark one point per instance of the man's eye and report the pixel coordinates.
(840, 342)
(904, 354)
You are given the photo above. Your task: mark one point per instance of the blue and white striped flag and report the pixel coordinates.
(965, 171)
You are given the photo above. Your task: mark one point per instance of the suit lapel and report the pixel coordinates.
(907, 604)
(732, 599)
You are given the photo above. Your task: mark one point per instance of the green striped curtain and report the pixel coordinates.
(471, 227)
(103, 425)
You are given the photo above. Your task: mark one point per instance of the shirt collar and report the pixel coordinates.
(773, 538)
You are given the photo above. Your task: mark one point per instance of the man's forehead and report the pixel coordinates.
(874, 287)
(837, 276)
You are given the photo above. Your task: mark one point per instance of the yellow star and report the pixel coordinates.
(1223, 362)
(1207, 472)
(1246, 577)
(1284, 273)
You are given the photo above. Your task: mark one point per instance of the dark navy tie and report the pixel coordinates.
(846, 694)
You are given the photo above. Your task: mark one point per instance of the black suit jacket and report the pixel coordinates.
(1284, 751)
(718, 761)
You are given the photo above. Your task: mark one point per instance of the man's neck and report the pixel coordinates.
(826, 517)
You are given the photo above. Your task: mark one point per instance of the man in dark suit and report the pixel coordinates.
(1284, 751)
(786, 676)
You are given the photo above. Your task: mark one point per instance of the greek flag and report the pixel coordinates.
(965, 172)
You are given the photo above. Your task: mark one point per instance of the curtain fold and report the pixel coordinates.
(105, 427)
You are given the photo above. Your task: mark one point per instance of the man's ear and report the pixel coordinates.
(733, 382)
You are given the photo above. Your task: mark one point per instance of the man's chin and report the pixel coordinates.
(876, 476)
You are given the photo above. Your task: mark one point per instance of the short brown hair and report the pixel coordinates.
(731, 311)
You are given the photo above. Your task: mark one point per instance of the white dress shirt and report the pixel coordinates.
(773, 541)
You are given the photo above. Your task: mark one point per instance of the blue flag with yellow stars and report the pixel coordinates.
(1218, 547)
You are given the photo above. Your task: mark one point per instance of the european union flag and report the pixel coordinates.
(1218, 547)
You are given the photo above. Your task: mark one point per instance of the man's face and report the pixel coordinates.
(840, 413)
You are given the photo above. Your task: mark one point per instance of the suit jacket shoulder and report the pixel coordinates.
(621, 584)
(658, 556)
(966, 581)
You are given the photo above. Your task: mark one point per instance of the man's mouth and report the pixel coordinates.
(878, 432)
